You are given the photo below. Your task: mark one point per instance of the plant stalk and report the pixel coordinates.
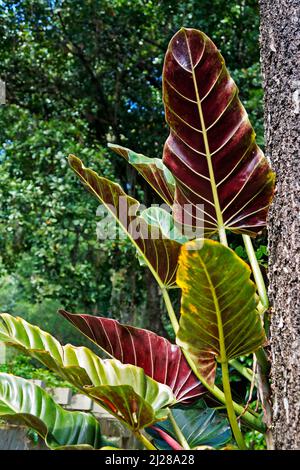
(263, 363)
(252, 420)
(244, 371)
(182, 440)
(230, 409)
(262, 291)
(258, 277)
(266, 402)
(170, 310)
(222, 236)
(143, 439)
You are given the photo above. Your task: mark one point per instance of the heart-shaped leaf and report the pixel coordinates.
(23, 402)
(123, 390)
(200, 425)
(152, 169)
(159, 253)
(211, 149)
(160, 359)
(219, 320)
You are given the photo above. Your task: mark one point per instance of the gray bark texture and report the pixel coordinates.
(280, 57)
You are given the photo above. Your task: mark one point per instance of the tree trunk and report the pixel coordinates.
(280, 46)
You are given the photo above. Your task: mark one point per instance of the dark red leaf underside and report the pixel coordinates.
(160, 359)
(244, 180)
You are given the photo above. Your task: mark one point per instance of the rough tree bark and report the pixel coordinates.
(280, 54)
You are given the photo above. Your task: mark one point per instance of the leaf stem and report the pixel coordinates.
(170, 310)
(253, 421)
(262, 291)
(222, 236)
(143, 439)
(182, 440)
(244, 371)
(230, 409)
(259, 280)
(263, 361)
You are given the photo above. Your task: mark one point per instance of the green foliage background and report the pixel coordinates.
(79, 74)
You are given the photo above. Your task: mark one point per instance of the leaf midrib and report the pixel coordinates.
(206, 143)
(223, 357)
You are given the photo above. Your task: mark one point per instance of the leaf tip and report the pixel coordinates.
(72, 159)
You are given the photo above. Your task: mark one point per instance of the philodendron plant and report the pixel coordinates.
(157, 389)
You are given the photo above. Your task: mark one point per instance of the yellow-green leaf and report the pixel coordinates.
(219, 320)
(123, 390)
(24, 402)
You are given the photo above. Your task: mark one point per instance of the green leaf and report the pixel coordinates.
(219, 320)
(123, 390)
(261, 251)
(159, 253)
(200, 425)
(152, 169)
(23, 402)
(158, 217)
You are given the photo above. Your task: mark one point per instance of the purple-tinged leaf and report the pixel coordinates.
(168, 442)
(211, 149)
(160, 359)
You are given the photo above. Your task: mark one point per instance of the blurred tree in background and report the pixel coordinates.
(79, 74)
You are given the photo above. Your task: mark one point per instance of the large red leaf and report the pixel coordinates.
(211, 149)
(160, 359)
